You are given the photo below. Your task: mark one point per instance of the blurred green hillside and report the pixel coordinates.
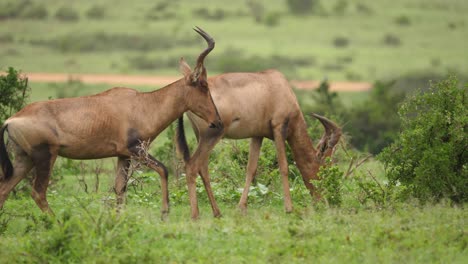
(341, 40)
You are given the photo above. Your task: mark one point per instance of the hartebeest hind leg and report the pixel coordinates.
(43, 157)
(22, 165)
(279, 133)
(254, 153)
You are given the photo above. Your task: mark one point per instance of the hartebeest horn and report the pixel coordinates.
(329, 140)
(199, 68)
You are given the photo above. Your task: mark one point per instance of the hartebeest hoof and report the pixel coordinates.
(242, 208)
(164, 215)
(217, 214)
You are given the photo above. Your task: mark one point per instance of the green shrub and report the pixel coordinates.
(341, 42)
(391, 40)
(330, 185)
(272, 19)
(96, 12)
(66, 13)
(327, 103)
(403, 20)
(15, 92)
(374, 123)
(340, 7)
(302, 7)
(217, 14)
(430, 154)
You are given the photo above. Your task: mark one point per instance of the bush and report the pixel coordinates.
(302, 7)
(96, 12)
(66, 13)
(341, 42)
(403, 20)
(330, 184)
(15, 92)
(391, 40)
(374, 124)
(430, 156)
(217, 14)
(327, 103)
(272, 19)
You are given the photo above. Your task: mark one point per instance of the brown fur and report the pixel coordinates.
(258, 105)
(108, 124)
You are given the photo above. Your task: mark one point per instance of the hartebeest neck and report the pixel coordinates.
(164, 106)
(303, 150)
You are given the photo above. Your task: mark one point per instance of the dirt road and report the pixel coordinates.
(114, 79)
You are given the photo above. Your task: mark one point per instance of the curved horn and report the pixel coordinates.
(331, 137)
(211, 44)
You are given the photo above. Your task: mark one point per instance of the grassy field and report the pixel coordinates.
(364, 40)
(87, 230)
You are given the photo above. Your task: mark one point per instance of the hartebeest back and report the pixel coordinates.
(109, 124)
(257, 105)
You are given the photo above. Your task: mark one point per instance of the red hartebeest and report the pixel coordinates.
(256, 105)
(108, 124)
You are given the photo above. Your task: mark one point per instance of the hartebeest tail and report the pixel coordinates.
(182, 146)
(7, 167)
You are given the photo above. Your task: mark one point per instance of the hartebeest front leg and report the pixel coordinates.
(157, 166)
(142, 155)
(254, 153)
(121, 180)
(279, 138)
(198, 164)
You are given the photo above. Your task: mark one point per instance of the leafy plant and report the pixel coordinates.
(15, 92)
(430, 154)
(330, 184)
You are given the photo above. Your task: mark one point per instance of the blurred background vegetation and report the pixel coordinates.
(306, 39)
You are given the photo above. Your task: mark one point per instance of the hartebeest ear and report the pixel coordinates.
(184, 68)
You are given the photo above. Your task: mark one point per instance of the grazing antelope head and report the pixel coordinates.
(113, 123)
(256, 105)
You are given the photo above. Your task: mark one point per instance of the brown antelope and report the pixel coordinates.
(256, 105)
(108, 124)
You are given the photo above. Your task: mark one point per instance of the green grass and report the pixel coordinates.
(89, 232)
(433, 40)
